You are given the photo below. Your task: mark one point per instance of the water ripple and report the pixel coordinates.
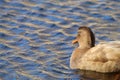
(36, 35)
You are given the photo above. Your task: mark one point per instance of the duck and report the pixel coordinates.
(103, 57)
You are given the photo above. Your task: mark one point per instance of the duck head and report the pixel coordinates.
(85, 37)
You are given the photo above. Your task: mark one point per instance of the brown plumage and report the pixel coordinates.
(104, 57)
(92, 36)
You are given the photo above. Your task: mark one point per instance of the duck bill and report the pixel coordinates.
(74, 41)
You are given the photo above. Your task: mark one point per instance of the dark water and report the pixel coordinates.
(36, 35)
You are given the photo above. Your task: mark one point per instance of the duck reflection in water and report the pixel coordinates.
(92, 75)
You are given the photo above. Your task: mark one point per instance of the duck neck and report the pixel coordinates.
(84, 45)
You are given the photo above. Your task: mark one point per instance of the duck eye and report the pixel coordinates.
(79, 32)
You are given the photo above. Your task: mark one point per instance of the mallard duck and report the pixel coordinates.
(103, 57)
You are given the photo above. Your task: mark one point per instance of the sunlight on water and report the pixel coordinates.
(36, 35)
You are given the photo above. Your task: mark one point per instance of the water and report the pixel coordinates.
(36, 35)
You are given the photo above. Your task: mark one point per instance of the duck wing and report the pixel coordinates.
(104, 52)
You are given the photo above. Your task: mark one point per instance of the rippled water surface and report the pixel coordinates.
(36, 35)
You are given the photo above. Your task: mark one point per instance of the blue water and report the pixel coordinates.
(36, 35)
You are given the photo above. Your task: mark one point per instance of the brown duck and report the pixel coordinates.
(104, 57)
